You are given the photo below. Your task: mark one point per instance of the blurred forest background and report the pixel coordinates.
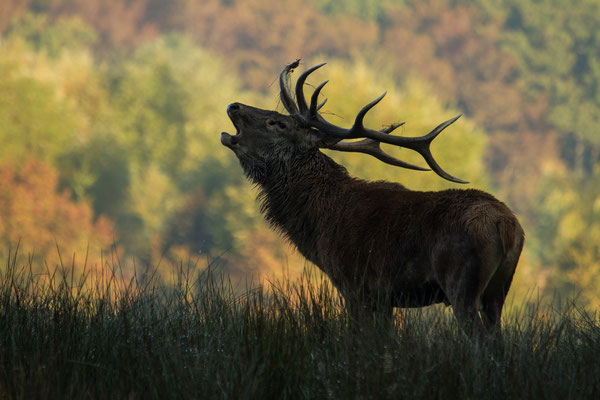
(110, 115)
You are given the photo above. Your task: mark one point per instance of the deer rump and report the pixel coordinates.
(382, 245)
(421, 248)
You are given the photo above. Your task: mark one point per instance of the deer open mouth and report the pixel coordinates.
(230, 140)
(226, 138)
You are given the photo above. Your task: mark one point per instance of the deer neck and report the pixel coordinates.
(299, 199)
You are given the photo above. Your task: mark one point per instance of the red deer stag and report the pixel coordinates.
(379, 240)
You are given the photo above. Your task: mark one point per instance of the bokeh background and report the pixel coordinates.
(111, 112)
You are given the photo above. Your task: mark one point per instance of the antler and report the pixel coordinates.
(372, 139)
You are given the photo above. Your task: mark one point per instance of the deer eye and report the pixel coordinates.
(279, 124)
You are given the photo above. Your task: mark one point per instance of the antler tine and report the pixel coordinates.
(300, 88)
(314, 98)
(426, 153)
(358, 128)
(285, 92)
(372, 147)
(438, 129)
(418, 144)
(422, 147)
(321, 104)
(392, 127)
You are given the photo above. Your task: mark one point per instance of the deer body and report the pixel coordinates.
(381, 244)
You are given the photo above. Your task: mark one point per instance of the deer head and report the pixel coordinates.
(262, 135)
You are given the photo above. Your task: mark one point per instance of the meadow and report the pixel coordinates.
(98, 335)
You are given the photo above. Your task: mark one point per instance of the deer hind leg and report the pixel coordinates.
(465, 300)
(468, 319)
(493, 297)
(459, 271)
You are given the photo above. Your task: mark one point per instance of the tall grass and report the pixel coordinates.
(98, 335)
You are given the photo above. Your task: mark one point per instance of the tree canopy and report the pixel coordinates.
(110, 114)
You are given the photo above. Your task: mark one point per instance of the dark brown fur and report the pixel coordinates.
(379, 242)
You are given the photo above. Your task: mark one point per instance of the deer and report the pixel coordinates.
(381, 245)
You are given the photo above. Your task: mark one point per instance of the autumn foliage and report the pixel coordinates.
(45, 221)
(110, 113)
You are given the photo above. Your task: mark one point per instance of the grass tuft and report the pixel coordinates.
(99, 335)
